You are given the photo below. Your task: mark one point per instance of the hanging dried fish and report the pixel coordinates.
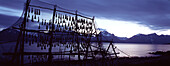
(29, 42)
(39, 12)
(61, 21)
(28, 9)
(63, 17)
(90, 27)
(26, 34)
(71, 23)
(65, 27)
(83, 20)
(45, 22)
(76, 26)
(66, 17)
(35, 16)
(32, 19)
(49, 22)
(84, 32)
(46, 27)
(73, 19)
(70, 18)
(56, 15)
(39, 26)
(35, 12)
(28, 15)
(29, 57)
(78, 21)
(62, 25)
(38, 19)
(60, 16)
(38, 45)
(54, 45)
(32, 41)
(59, 25)
(81, 27)
(45, 47)
(41, 47)
(69, 28)
(56, 21)
(32, 10)
(42, 22)
(84, 27)
(68, 24)
(72, 28)
(64, 21)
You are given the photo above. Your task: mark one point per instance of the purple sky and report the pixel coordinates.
(154, 14)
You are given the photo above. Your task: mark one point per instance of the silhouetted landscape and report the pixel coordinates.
(10, 35)
(84, 33)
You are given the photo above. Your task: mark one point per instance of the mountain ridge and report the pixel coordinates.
(8, 35)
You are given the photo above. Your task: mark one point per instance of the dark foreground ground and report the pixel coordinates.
(163, 60)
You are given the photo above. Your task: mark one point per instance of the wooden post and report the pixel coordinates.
(23, 33)
(91, 36)
(77, 38)
(113, 49)
(16, 47)
(51, 39)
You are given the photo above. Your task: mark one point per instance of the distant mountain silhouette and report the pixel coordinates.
(139, 38)
(106, 36)
(150, 38)
(8, 35)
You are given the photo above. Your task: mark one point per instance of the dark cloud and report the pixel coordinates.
(6, 20)
(14, 4)
(152, 13)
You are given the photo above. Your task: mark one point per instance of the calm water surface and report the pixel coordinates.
(140, 50)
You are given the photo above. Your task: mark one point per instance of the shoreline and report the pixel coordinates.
(121, 61)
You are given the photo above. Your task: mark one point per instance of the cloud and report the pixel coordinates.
(7, 20)
(14, 4)
(154, 14)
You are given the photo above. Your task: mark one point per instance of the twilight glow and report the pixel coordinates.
(123, 18)
(126, 28)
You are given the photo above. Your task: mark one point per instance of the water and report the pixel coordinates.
(140, 50)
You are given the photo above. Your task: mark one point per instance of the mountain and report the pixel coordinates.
(139, 38)
(150, 38)
(7, 35)
(106, 36)
(122, 38)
